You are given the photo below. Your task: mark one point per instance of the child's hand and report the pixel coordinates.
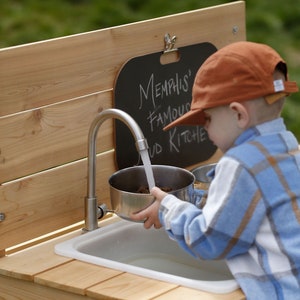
(158, 193)
(150, 214)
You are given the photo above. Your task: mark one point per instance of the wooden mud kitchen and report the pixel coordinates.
(51, 91)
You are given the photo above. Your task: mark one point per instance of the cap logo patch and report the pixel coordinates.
(278, 85)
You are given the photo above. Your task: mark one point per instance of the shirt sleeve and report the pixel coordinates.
(228, 223)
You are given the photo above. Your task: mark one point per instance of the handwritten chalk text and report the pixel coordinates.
(177, 139)
(158, 118)
(153, 91)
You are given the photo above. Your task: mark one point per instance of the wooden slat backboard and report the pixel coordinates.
(50, 93)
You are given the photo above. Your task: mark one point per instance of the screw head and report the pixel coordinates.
(2, 217)
(235, 29)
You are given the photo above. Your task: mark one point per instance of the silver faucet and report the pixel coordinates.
(93, 212)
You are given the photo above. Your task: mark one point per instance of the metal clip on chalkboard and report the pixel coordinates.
(170, 43)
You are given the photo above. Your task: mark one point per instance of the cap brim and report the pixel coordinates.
(192, 117)
(275, 97)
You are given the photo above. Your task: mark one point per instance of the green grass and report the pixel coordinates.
(272, 22)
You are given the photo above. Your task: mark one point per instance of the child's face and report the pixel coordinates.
(221, 126)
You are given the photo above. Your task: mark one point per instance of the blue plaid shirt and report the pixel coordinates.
(252, 214)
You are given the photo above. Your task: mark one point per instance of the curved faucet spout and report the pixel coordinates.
(91, 206)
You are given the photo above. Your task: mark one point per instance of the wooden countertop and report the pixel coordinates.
(38, 271)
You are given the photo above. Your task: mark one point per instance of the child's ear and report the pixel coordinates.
(241, 113)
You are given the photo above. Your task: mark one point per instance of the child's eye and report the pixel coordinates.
(207, 118)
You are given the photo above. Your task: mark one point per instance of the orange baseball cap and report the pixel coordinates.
(238, 72)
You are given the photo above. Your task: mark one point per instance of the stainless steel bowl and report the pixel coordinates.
(125, 184)
(200, 173)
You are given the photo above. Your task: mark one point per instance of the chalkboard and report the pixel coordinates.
(155, 94)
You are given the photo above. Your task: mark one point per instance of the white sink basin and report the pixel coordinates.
(128, 247)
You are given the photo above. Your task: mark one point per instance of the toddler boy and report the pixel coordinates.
(252, 214)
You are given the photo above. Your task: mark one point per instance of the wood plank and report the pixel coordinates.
(29, 262)
(44, 138)
(52, 235)
(50, 200)
(46, 72)
(26, 263)
(186, 293)
(2, 253)
(129, 286)
(75, 276)
(11, 288)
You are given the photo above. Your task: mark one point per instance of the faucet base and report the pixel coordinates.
(91, 212)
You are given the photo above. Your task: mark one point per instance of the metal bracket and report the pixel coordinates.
(169, 43)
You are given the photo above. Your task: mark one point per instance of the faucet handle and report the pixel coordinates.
(103, 210)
